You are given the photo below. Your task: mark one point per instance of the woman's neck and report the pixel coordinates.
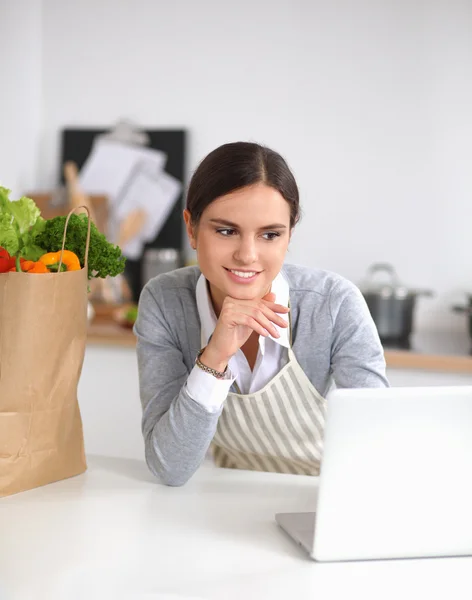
(216, 298)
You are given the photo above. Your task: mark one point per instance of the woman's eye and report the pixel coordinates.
(271, 235)
(226, 232)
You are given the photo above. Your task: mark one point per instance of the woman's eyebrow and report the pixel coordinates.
(231, 224)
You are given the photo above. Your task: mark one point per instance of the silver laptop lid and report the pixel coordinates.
(396, 476)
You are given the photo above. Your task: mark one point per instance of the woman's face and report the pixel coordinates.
(241, 242)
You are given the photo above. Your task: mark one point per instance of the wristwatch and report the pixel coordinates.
(214, 372)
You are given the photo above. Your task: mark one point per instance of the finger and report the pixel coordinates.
(265, 321)
(273, 316)
(256, 320)
(279, 308)
(256, 326)
(269, 297)
(245, 317)
(231, 311)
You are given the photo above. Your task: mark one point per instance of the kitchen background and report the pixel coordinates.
(368, 100)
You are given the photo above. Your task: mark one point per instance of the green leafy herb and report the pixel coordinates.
(20, 224)
(104, 258)
(131, 314)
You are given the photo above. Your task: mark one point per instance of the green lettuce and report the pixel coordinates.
(20, 224)
(8, 234)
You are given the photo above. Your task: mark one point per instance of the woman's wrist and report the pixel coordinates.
(213, 360)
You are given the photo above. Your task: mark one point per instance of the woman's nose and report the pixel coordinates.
(246, 252)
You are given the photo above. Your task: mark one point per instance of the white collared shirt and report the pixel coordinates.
(272, 354)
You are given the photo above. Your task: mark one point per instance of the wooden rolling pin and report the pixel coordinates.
(76, 196)
(131, 226)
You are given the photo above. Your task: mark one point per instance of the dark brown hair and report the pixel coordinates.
(237, 165)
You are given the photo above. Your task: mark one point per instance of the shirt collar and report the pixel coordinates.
(208, 317)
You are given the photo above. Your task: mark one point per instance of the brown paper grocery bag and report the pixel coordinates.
(43, 328)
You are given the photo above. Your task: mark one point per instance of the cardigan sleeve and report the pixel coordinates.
(177, 430)
(357, 357)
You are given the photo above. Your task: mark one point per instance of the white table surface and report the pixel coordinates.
(114, 533)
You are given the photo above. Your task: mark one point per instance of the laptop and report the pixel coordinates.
(395, 479)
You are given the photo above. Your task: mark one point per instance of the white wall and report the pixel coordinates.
(369, 101)
(20, 96)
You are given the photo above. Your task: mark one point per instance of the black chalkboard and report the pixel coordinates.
(76, 144)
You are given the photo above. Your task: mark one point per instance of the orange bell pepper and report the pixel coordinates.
(38, 267)
(69, 259)
(30, 266)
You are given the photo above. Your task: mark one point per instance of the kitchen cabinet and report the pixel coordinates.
(109, 402)
(109, 393)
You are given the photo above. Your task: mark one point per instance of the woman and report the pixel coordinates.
(238, 353)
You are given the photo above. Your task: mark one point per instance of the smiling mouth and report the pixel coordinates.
(243, 274)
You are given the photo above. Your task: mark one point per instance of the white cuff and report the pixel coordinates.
(207, 390)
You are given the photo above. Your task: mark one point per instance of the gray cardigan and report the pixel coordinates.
(334, 338)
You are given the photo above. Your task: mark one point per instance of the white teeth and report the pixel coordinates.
(243, 274)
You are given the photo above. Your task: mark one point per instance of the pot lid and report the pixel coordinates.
(386, 286)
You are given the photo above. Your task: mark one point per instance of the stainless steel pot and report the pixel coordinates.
(391, 304)
(467, 310)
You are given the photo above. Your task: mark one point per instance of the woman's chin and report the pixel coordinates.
(250, 292)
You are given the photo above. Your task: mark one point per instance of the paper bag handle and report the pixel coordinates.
(87, 243)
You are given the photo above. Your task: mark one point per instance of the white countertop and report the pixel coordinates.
(114, 533)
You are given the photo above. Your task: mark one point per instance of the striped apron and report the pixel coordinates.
(278, 428)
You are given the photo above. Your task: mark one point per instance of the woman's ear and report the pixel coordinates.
(190, 229)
